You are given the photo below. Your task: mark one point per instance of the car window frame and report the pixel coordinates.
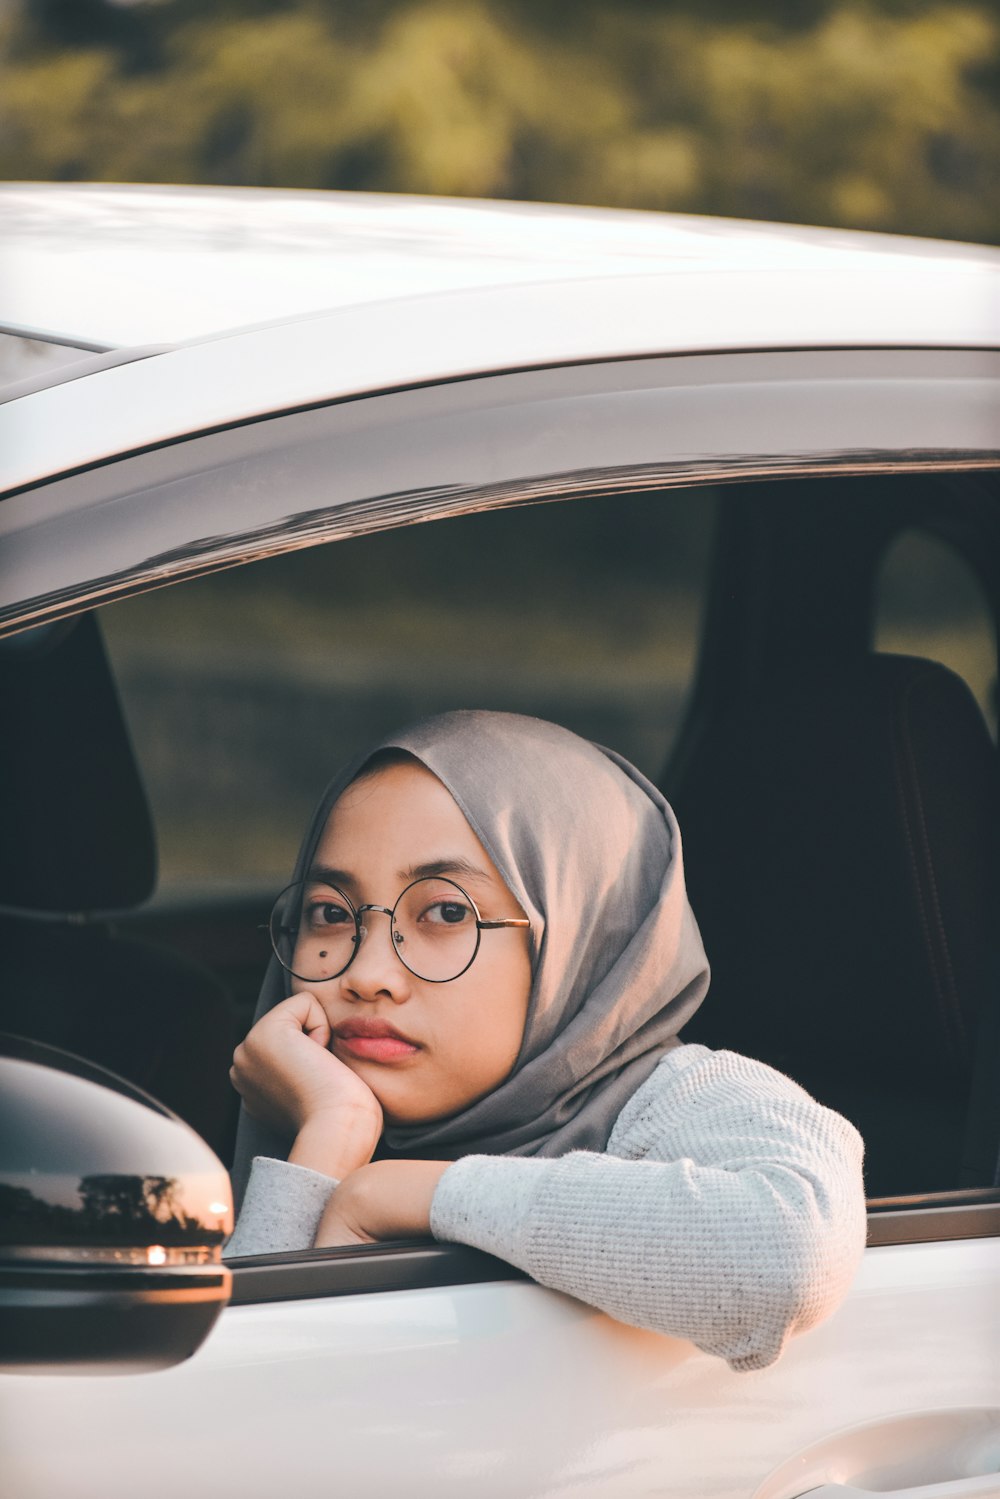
(527, 426)
(310, 476)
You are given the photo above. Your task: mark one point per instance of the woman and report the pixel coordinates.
(488, 956)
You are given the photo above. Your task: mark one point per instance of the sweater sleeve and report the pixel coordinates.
(729, 1209)
(282, 1208)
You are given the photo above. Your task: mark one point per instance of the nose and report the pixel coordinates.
(376, 972)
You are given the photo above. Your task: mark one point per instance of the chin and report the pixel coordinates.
(414, 1115)
(401, 1111)
(415, 1111)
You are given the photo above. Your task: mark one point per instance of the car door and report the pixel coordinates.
(431, 1369)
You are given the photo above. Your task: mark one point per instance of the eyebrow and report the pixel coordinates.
(430, 869)
(438, 868)
(329, 875)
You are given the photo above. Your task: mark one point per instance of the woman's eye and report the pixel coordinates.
(447, 913)
(326, 914)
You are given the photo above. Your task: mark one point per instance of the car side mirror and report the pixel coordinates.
(113, 1214)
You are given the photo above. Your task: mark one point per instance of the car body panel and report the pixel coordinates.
(110, 266)
(508, 1390)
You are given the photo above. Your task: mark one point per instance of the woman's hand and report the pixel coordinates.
(385, 1200)
(290, 1081)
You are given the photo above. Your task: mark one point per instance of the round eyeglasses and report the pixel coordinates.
(435, 925)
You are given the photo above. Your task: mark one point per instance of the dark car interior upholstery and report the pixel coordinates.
(78, 834)
(840, 818)
(840, 843)
(78, 852)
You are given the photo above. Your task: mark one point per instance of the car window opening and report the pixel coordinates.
(242, 689)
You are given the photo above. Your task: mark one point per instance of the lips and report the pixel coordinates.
(374, 1040)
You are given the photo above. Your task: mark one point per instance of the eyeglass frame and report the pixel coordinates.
(361, 931)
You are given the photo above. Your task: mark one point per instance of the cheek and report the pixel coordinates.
(493, 1019)
(521, 979)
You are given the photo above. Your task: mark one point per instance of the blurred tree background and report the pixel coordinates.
(244, 690)
(881, 114)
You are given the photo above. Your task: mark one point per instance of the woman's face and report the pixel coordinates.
(454, 1041)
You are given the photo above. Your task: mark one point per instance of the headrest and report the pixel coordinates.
(839, 839)
(77, 833)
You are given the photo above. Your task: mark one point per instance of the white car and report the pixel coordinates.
(225, 412)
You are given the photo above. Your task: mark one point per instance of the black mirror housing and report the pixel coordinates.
(113, 1213)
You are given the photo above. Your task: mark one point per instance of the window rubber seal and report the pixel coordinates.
(405, 1265)
(933, 1217)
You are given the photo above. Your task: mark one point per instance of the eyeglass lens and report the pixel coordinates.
(315, 932)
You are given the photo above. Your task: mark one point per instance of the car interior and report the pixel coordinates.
(835, 777)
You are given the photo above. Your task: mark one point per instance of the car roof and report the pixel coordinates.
(114, 266)
(210, 307)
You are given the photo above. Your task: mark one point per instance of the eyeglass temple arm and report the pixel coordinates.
(507, 921)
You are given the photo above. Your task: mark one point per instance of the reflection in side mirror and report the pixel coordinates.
(113, 1213)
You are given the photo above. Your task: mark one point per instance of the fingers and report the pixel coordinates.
(288, 1083)
(304, 1010)
(300, 1013)
(270, 1068)
(314, 1022)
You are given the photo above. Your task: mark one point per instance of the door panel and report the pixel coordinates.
(503, 1389)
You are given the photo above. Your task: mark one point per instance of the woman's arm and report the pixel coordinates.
(739, 1220)
(729, 1210)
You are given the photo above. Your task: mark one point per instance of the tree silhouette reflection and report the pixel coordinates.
(115, 1210)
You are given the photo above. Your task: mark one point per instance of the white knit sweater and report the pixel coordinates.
(728, 1209)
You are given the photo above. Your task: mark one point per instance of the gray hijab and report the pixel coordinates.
(593, 854)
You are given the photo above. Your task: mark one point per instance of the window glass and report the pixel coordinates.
(246, 690)
(929, 602)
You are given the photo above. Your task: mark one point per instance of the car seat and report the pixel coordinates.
(78, 847)
(840, 838)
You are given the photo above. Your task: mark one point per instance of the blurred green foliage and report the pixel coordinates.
(863, 114)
